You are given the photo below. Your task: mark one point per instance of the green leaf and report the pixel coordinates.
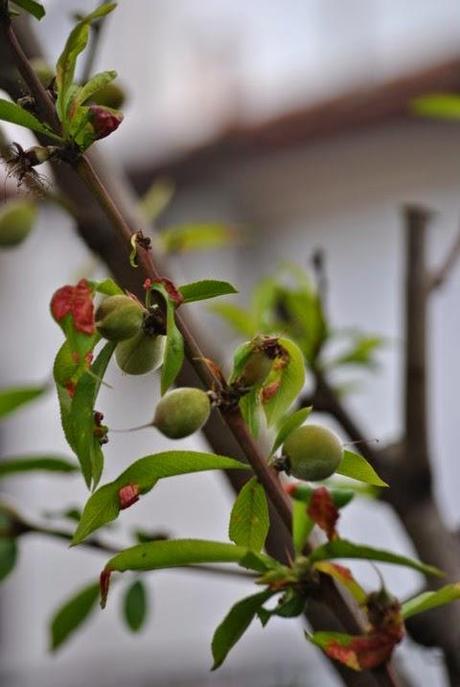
(65, 67)
(10, 112)
(291, 605)
(249, 520)
(86, 445)
(240, 358)
(288, 425)
(341, 548)
(176, 553)
(8, 556)
(156, 199)
(103, 506)
(204, 289)
(107, 286)
(91, 87)
(33, 7)
(346, 579)
(174, 347)
(441, 105)
(12, 398)
(361, 352)
(234, 625)
(135, 606)
(71, 615)
(302, 525)
(292, 380)
(355, 466)
(237, 317)
(428, 600)
(13, 466)
(250, 410)
(186, 237)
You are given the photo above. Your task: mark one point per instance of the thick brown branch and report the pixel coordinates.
(415, 403)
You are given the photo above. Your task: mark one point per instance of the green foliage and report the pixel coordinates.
(438, 105)
(205, 289)
(302, 526)
(237, 317)
(234, 625)
(428, 600)
(361, 351)
(8, 556)
(288, 425)
(12, 398)
(82, 427)
(187, 237)
(355, 466)
(290, 605)
(290, 378)
(33, 7)
(135, 606)
(157, 199)
(72, 614)
(174, 348)
(103, 506)
(10, 112)
(341, 548)
(35, 463)
(249, 521)
(95, 84)
(83, 125)
(173, 553)
(107, 287)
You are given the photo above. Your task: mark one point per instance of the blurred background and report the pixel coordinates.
(291, 121)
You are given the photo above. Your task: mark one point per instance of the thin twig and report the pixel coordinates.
(44, 104)
(440, 275)
(97, 28)
(105, 548)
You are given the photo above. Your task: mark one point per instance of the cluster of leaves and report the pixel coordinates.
(81, 123)
(287, 330)
(289, 303)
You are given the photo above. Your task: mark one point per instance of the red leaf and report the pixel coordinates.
(128, 495)
(174, 293)
(323, 512)
(78, 302)
(104, 584)
(364, 652)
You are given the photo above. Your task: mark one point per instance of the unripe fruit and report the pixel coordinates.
(256, 369)
(119, 318)
(182, 412)
(314, 452)
(17, 218)
(140, 354)
(111, 95)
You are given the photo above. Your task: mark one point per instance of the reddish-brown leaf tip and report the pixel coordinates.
(128, 495)
(104, 584)
(323, 511)
(78, 302)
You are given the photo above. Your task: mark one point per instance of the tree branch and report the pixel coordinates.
(440, 276)
(415, 403)
(331, 596)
